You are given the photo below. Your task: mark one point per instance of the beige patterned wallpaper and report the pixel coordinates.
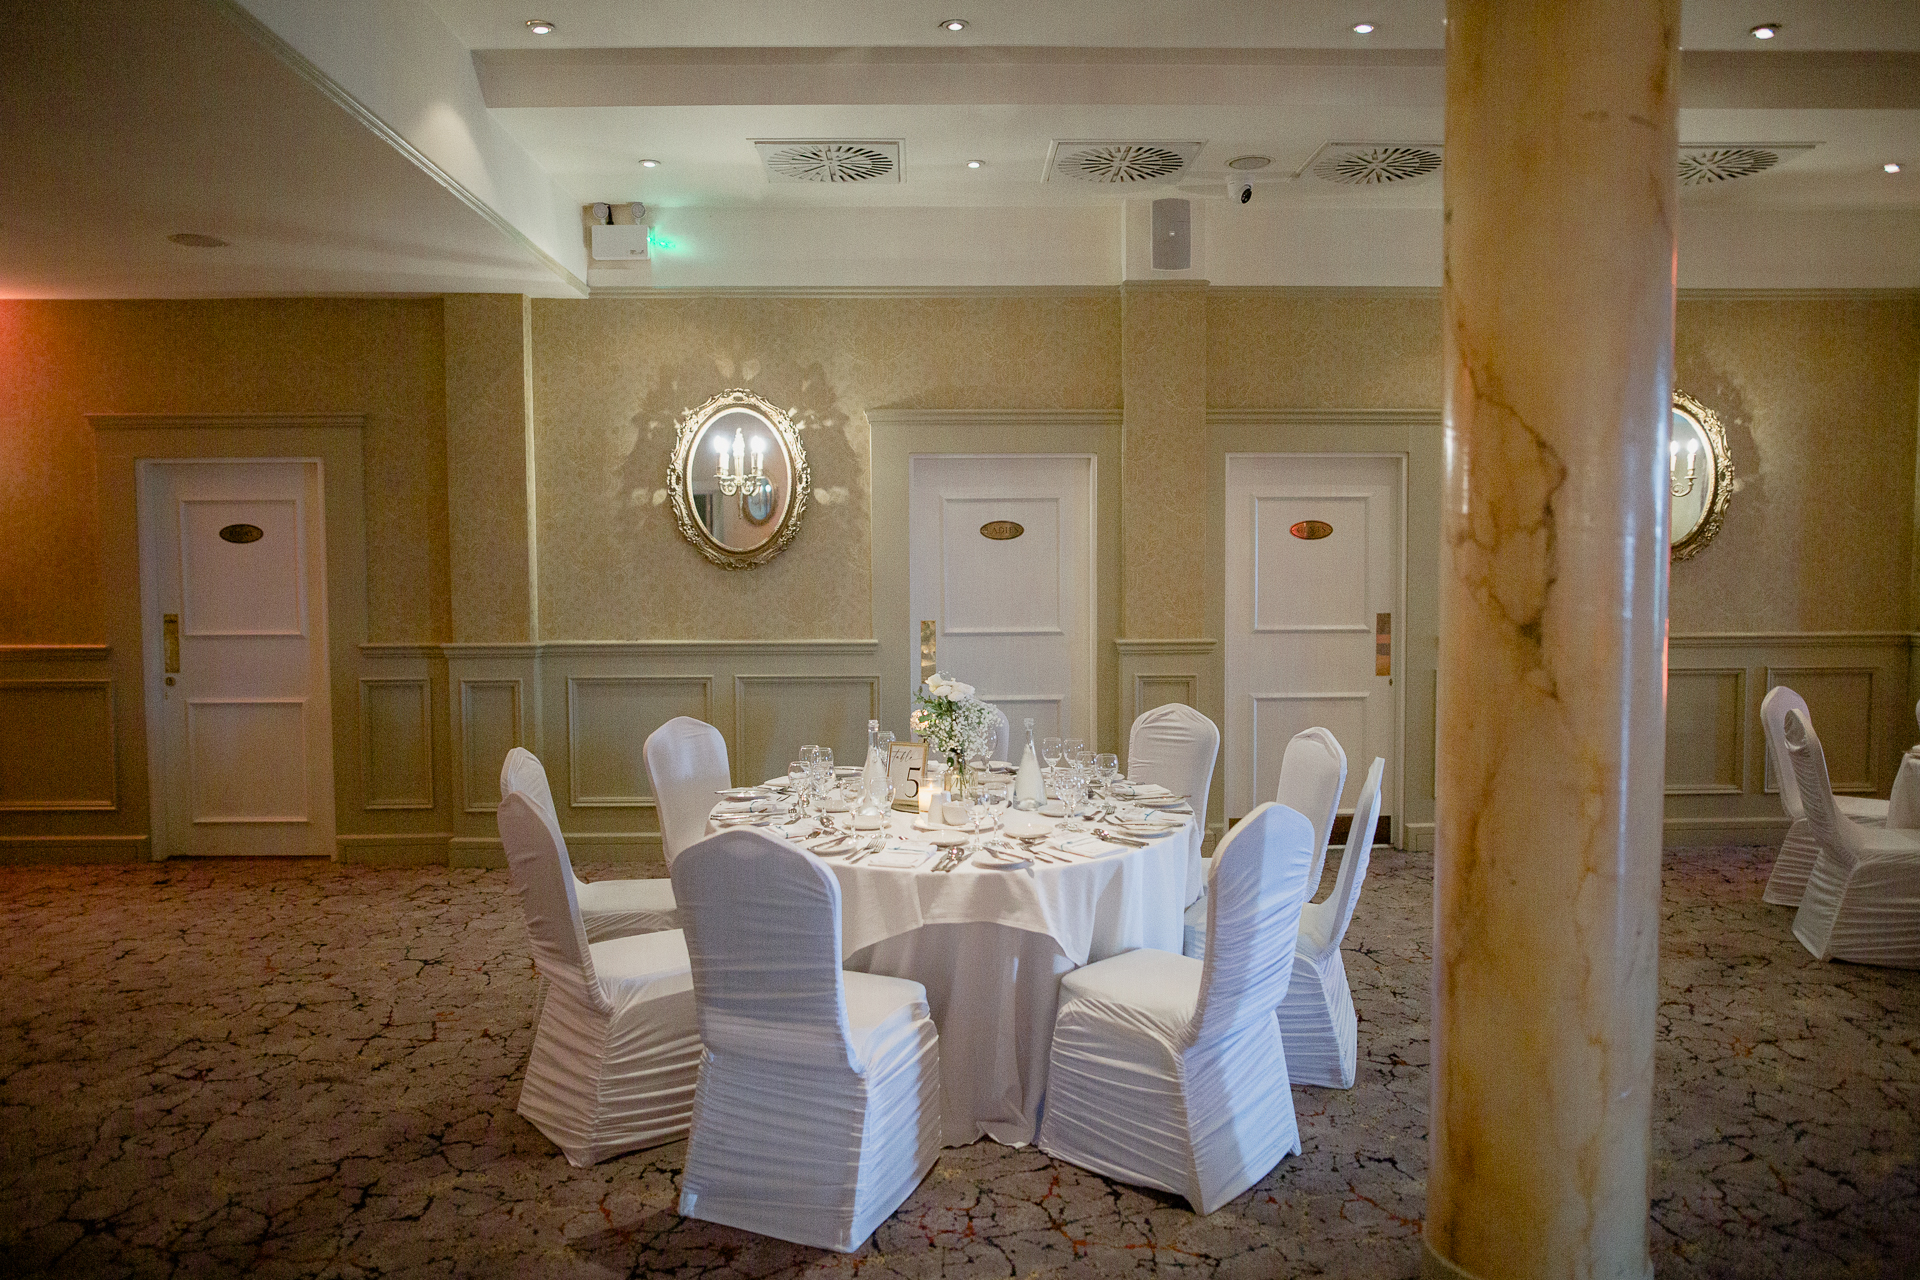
(611, 378)
(63, 360)
(1820, 400)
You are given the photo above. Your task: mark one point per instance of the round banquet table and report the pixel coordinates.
(990, 946)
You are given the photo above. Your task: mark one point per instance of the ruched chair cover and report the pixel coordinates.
(1317, 1019)
(608, 908)
(1862, 899)
(818, 1109)
(1170, 1072)
(616, 1047)
(1801, 847)
(1313, 773)
(686, 765)
(1002, 735)
(1175, 746)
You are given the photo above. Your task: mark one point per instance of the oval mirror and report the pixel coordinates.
(738, 480)
(1700, 475)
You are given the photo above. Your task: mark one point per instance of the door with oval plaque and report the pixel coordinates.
(1002, 530)
(1311, 530)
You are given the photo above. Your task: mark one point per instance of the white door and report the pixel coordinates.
(1313, 590)
(1001, 560)
(233, 573)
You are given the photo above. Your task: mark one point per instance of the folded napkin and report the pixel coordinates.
(1092, 846)
(899, 858)
(1148, 790)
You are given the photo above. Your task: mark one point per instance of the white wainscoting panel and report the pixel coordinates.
(396, 742)
(608, 720)
(1044, 708)
(773, 714)
(1706, 731)
(56, 745)
(489, 728)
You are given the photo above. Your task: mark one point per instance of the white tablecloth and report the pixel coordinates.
(990, 947)
(1903, 805)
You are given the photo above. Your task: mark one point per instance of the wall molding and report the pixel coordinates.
(911, 418)
(1794, 639)
(859, 291)
(203, 421)
(55, 652)
(1136, 648)
(17, 851)
(545, 649)
(1324, 417)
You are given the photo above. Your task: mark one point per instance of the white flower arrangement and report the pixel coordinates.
(951, 720)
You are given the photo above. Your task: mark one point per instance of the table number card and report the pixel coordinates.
(906, 769)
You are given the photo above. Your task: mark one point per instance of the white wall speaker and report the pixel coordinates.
(1172, 235)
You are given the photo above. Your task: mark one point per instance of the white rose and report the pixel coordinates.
(939, 685)
(959, 691)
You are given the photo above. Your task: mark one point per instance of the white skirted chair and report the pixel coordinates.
(1801, 847)
(1317, 1020)
(1313, 773)
(1174, 746)
(608, 908)
(1002, 735)
(1862, 900)
(616, 1047)
(687, 766)
(818, 1109)
(1170, 1072)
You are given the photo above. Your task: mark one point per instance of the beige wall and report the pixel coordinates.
(1819, 399)
(611, 378)
(62, 360)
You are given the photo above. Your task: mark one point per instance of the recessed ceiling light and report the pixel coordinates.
(975, 164)
(1249, 162)
(649, 164)
(540, 26)
(194, 240)
(1890, 167)
(1363, 28)
(953, 24)
(1765, 31)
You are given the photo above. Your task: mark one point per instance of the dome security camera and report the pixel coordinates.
(1241, 190)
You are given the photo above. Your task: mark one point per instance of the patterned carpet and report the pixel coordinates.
(307, 1070)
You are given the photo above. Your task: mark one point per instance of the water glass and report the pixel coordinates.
(1073, 751)
(1050, 753)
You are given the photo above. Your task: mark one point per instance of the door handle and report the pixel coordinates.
(170, 639)
(1383, 645)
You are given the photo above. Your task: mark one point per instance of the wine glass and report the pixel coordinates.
(1050, 752)
(822, 762)
(1107, 765)
(797, 785)
(1072, 782)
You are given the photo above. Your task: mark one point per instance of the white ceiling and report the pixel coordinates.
(419, 146)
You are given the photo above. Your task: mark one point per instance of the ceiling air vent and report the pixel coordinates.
(1706, 164)
(1374, 164)
(831, 161)
(1114, 163)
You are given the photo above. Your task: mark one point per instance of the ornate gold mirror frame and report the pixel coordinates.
(1688, 474)
(740, 499)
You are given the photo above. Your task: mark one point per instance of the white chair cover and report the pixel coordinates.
(1798, 851)
(1002, 735)
(687, 765)
(1862, 901)
(818, 1110)
(1170, 1072)
(616, 1047)
(1175, 747)
(1313, 773)
(1317, 1020)
(608, 908)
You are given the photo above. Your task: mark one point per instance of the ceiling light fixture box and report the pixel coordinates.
(622, 243)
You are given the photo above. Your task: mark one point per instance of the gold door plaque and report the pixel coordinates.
(1002, 530)
(242, 533)
(1311, 530)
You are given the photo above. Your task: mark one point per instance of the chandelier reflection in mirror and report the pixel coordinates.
(1699, 476)
(738, 480)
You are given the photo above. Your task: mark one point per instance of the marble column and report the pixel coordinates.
(490, 533)
(1558, 310)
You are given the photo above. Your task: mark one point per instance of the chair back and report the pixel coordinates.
(687, 765)
(1175, 747)
(1253, 920)
(543, 878)
(522, 771)
(1773, 722)
(1313, 773)
(762, 921)
(1337, 911)
(1001, 735)
(1838, 837)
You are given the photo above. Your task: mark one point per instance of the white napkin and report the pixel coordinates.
(1150, 791)
(898, 858)
(1092, 845)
